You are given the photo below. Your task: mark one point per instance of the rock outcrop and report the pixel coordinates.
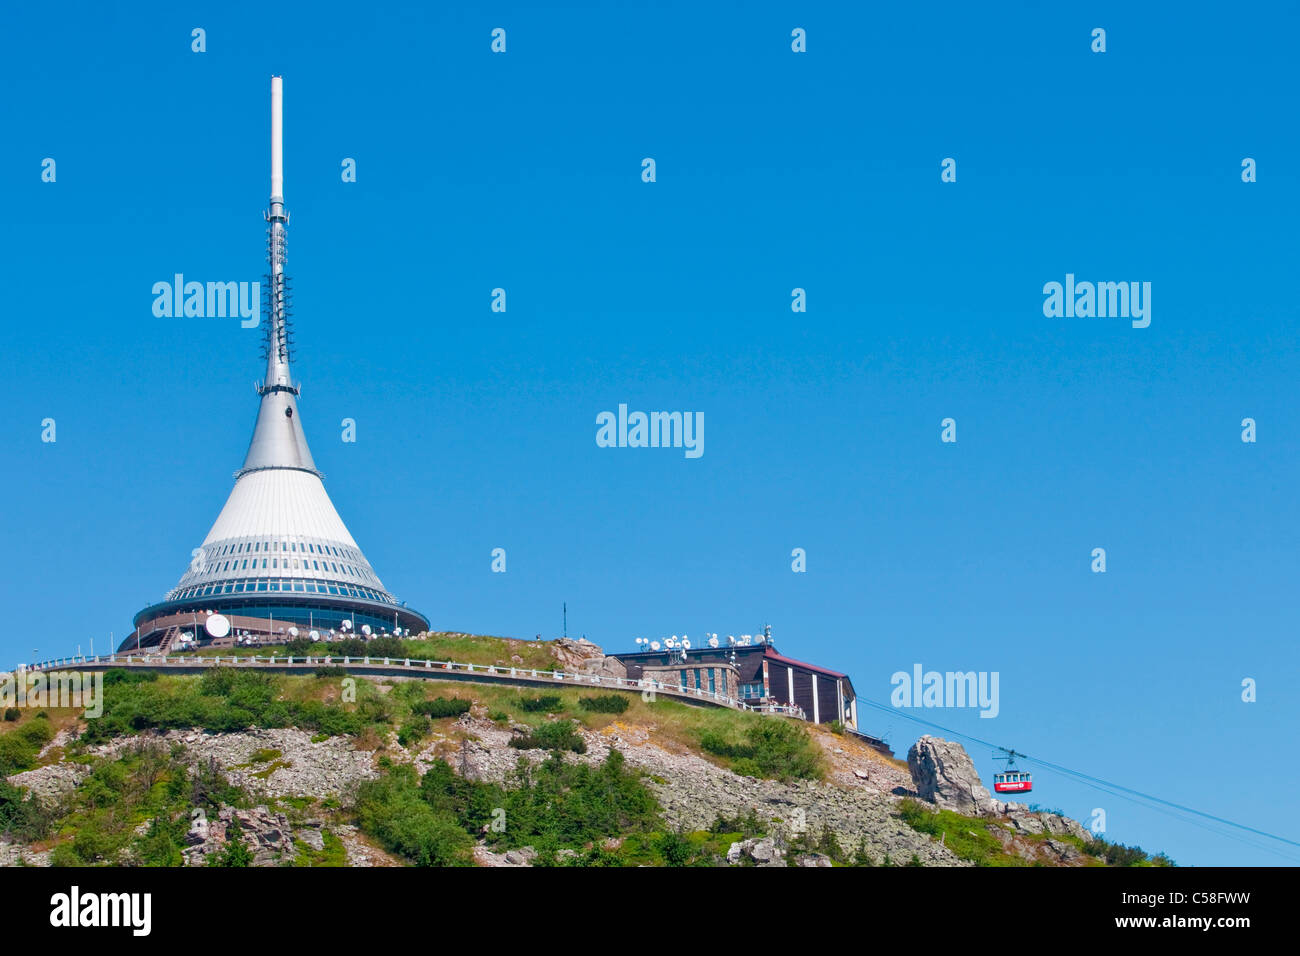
(573, 655)
(943, 774)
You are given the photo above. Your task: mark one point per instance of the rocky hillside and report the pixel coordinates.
(254, 769)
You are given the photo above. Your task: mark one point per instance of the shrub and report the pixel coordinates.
(236, 852)
(605, 704)
(120, 675)
(442, 707)
(674, 848)
(20, 747)
(414, 730)
(12, 714)
(774, 748)
(22, 816)
(555, 735)
(748, 826)
(1117, 854)
(391, 809)
(300, 647)
(331, 671)
(542, 704)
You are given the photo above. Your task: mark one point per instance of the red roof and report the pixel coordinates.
(773, 655)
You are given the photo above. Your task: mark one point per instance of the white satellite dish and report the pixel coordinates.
(293, 632)
(314, 635)
(713, 641)
(686, 643)
(346, 625)
(365, 629)
(654, 645)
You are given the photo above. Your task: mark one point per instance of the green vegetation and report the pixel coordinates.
(774, 747)
(546, 703)
(1117, 854)
(969, 838)
(441, 707)
(605, 704)
(20, 747)
(565, 811)
(554, 735)
(479, 650)
(22, 817)
(223, 699)
(146, 784)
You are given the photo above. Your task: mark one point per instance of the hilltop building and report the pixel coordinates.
(278, 555)
(755, 673)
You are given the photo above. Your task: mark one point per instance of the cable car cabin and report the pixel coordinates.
(1013, 781)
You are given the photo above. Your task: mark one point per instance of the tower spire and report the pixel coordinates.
(277, 358)
(278, 439)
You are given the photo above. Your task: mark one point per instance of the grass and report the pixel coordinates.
(442, 646)
(966, 837)
(333, 854)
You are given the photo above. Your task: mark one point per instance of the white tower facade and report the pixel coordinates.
(278, 550)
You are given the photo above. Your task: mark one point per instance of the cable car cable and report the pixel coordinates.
(1087, 779)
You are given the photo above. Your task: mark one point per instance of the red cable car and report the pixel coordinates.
(1012, 780)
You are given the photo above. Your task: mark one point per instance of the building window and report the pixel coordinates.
(751, 691)
(713, 689)
(683, 679)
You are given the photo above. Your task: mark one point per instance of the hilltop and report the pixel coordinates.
(244, 767)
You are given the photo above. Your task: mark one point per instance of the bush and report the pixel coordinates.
(120, 675)
(20, 747)
(414, 730)
(605, 704)
(391, 809)
(774, 748)
(748, 826)
(543, 704)
(555, 735)
(675, 849)
(1117, 854)
(22, 816)
(12, 714)
(442, 707)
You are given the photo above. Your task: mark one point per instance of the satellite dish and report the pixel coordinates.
(713, 641)
(314, 635)
(654, 645)
(686, 643)
(346, 625)
(365, 629)
(293, 632)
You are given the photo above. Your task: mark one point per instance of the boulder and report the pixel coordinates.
(760, 851)
(572, 655)
(943, 774)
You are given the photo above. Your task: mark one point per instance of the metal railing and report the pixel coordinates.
(407, 665)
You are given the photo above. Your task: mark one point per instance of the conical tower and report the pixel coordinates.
(278, 555)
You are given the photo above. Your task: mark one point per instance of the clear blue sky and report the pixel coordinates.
(775, 170)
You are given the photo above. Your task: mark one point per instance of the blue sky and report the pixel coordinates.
(775, 170)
